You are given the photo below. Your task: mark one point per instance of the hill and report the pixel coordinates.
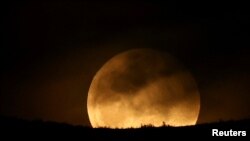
(14, 126)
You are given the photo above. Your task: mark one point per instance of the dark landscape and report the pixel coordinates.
(52, 51)
(38, 127)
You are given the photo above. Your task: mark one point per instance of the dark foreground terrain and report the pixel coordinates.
(13, 127)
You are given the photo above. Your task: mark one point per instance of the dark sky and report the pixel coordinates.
(51, 51)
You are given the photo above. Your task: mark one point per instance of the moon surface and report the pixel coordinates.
(143, 87)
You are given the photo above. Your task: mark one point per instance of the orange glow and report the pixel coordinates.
(172, 99)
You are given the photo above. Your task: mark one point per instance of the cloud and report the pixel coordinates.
(133, 89)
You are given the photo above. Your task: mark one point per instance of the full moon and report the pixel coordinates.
(143, 87)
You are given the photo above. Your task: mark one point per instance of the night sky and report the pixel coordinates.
(52, 50)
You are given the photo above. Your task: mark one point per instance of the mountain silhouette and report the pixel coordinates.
(15, 126)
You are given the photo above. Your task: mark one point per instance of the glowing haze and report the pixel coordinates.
(141, 87)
